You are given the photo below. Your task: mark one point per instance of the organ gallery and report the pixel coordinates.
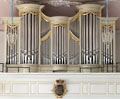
(36, 42)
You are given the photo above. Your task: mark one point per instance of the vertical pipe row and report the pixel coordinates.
(60, 38)
(108, 46)
(84, 40)
(12, 44)
(94, 40)
(89, 39)
(33, 40)
(29, 39)
(35, 45)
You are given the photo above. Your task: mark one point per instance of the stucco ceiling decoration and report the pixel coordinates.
(60, 2)
(72, 1)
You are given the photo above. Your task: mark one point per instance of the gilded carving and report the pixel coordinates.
(59, 88)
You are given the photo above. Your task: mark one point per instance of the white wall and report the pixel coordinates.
(79, 86)
(2, 50)
(118, 46)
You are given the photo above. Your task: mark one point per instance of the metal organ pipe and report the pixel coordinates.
(15, 47)
(84, 49)
(111, 48)
(95, 48)
(26, 41)
(57, 54)
(94, 40)
(36, 39)
(22, 44)
(23, 41)
(90, 39)
(87, 38)
(33, 40)
(82, 40)
(29, 39)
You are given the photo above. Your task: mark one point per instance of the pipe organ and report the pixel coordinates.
(59, 43)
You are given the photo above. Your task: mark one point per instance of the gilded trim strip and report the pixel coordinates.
(12, 26)
(57, 25)
(107, 26)
(90, 12)
(46, 37)
(74, 37)
(29, 12)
